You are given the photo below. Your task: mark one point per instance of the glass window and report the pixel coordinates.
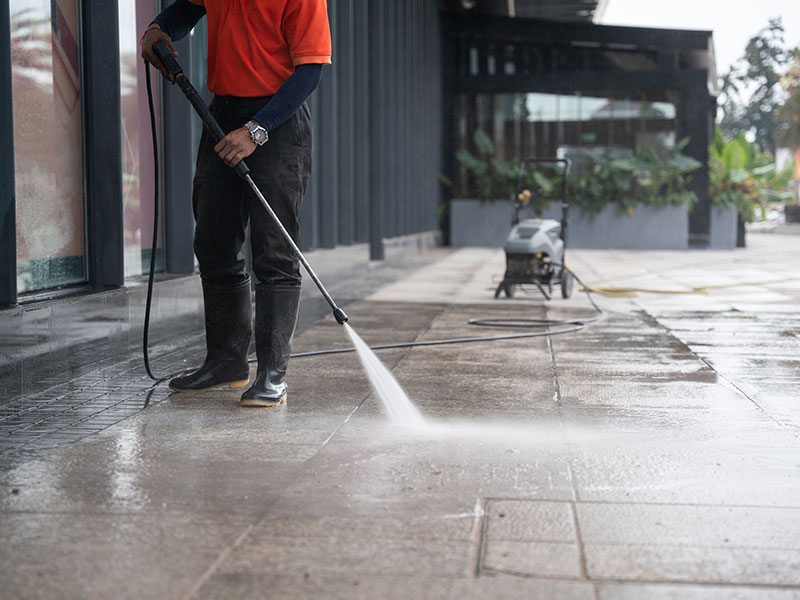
(137, 153)
(48, 146)
(511, 57)
(558, 125)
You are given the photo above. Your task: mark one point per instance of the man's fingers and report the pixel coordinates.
(220, 145)
(233, 148)
(150, 57)
(225, 150)
(153, 60)
(233, 158)
(161, 68)
(150, 38)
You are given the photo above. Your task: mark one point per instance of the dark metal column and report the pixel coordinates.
(390, 144)
(377, 103)
(419, 142)
(401, 207)
(697, 124)
(361, 90)
(8, 216)
(103, 159)
(327, 142)
(344, 52)
(437, 99)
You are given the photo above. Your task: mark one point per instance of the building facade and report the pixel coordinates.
(557, 89)
(77, 174)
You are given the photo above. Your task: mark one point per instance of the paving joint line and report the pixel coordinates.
(480, 535)
(644, 503)
(579, 540)
(700, 583)
(561, 421)
(223, 556)
(570, 473)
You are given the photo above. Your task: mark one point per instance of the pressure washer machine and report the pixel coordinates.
(535, 248)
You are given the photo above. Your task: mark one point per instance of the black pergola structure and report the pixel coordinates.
(637, 71)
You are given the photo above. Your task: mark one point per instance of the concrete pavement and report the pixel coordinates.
(655, 454)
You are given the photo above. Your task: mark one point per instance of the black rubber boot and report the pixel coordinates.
(227, 315)
(276, 317)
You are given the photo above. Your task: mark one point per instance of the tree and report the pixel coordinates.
(789, 116)
(751, 89)
(789, 113)
(743, 177)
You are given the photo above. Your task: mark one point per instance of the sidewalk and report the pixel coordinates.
(655, 454)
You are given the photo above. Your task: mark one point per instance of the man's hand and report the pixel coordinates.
(235, 146)
(149, 39)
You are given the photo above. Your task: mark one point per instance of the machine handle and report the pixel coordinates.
(567, 164)
(173, 66)
(535, 159)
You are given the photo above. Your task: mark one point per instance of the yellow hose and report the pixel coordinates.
(631, 292)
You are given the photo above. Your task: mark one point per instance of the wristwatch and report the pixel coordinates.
(258, 134)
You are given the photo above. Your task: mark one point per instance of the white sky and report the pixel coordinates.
(733, 22)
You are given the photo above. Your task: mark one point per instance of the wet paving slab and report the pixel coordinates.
(68, 412)
(654, 454)
(73, 368)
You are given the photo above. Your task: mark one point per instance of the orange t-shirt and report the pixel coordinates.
(254, 45)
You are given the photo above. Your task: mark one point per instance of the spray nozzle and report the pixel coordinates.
(339, 315)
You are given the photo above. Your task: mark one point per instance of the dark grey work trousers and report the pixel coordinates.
(224, 203)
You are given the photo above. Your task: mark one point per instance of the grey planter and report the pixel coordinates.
(475, 223)
(722, 234)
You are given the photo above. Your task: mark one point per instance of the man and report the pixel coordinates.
(265, 58)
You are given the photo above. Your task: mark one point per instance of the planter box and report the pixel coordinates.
(722, 233)
(475, 223)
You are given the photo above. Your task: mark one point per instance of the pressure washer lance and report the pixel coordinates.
(174, 68)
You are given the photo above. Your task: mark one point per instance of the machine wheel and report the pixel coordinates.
(509, 289)
(566, 283)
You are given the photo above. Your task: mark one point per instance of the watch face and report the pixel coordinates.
(257, 132)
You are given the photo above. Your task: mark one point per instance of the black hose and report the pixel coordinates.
(148, 304)
(568, 326)
(151, 274)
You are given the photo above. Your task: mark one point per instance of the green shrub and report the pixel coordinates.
(597, 178)
(742, 176)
